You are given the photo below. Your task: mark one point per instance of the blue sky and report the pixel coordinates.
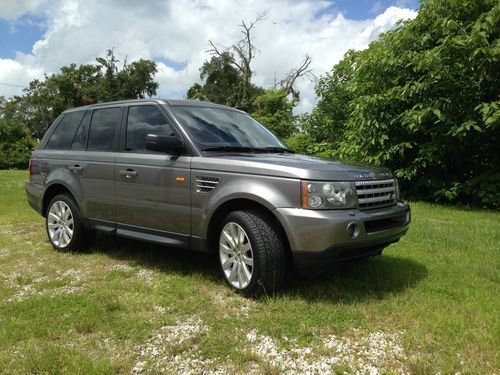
(363, 9)
(38, 37)
(20, 35)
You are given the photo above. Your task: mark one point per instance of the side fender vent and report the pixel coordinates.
(206, 184)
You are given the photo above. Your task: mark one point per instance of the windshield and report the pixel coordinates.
(217, 129)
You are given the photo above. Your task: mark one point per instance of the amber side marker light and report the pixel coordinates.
(180, 179)
(303, 188)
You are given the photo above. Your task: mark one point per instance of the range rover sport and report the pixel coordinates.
(202, 176)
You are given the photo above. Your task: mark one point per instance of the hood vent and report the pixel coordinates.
(206, 184)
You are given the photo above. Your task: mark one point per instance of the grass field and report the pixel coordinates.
(429, 304)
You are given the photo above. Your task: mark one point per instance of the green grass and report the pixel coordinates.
(95, 312)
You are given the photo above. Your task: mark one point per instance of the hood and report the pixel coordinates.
(289, 166)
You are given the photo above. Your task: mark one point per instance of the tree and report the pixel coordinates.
(245, 51)
(424, 100)
(133, 81)
(287, 83)
(275, 111)
(326, 122)
(3, 103)
(43, 100)
(16, 144)
(222, 82)
(240, 56)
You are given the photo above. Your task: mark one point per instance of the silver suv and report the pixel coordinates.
(201, 176)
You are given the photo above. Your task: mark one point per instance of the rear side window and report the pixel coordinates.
(104, 129)
(63, 135)
(143, 120)
(80, 139)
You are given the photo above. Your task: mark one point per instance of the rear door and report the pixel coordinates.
(152, 188)
(94, 149)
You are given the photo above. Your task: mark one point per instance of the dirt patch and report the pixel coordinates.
(375, 353)
(31, 283)
(233, 305)
(174, 349)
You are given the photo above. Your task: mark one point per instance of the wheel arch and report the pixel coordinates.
(52, 190)
(239, 204)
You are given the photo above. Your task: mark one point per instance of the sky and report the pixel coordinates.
(41, 36)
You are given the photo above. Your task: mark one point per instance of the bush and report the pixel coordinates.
(16, 145)
(423, 100)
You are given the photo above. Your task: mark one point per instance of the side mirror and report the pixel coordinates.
(164, 143)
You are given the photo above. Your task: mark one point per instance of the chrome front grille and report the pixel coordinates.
(206, 184)
(376, 194)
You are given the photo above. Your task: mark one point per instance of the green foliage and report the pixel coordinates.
(224, 84)
(16, 145)
(274, 110)
(326, 122)
(300, 143)
(43, 100)
(424, 101)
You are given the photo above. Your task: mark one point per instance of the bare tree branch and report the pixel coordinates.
(241, 54)
(287, 84)
(224, 54)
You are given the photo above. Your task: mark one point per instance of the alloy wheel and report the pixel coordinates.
(236, 256)
(60, 224)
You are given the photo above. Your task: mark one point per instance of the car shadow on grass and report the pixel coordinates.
(346, 282)
(156, 257)
(357, 281)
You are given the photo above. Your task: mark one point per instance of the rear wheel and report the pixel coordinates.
(64, 225)
(251, 252)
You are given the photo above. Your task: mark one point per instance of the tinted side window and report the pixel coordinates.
(104, 129)
(63, 135)
(143, 120)
(80, 140)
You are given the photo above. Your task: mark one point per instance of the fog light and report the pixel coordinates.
(353, 230)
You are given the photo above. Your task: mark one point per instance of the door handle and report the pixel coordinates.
(129, 173)
(75, 168)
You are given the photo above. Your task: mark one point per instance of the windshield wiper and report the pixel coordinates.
(233, 148)
(278, 149)
(249, 149)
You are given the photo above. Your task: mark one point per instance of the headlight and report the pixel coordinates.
(328, 195)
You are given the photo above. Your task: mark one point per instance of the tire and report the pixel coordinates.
(251, 253)
(64, 225)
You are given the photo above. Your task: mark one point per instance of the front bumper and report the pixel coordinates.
(318, 237)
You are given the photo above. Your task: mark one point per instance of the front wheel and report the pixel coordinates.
(251, 252)
(64, 225)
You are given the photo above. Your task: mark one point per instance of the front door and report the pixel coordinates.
(152, 189)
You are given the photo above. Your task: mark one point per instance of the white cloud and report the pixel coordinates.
(14, 76)
(12, 9)
(179, 31)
